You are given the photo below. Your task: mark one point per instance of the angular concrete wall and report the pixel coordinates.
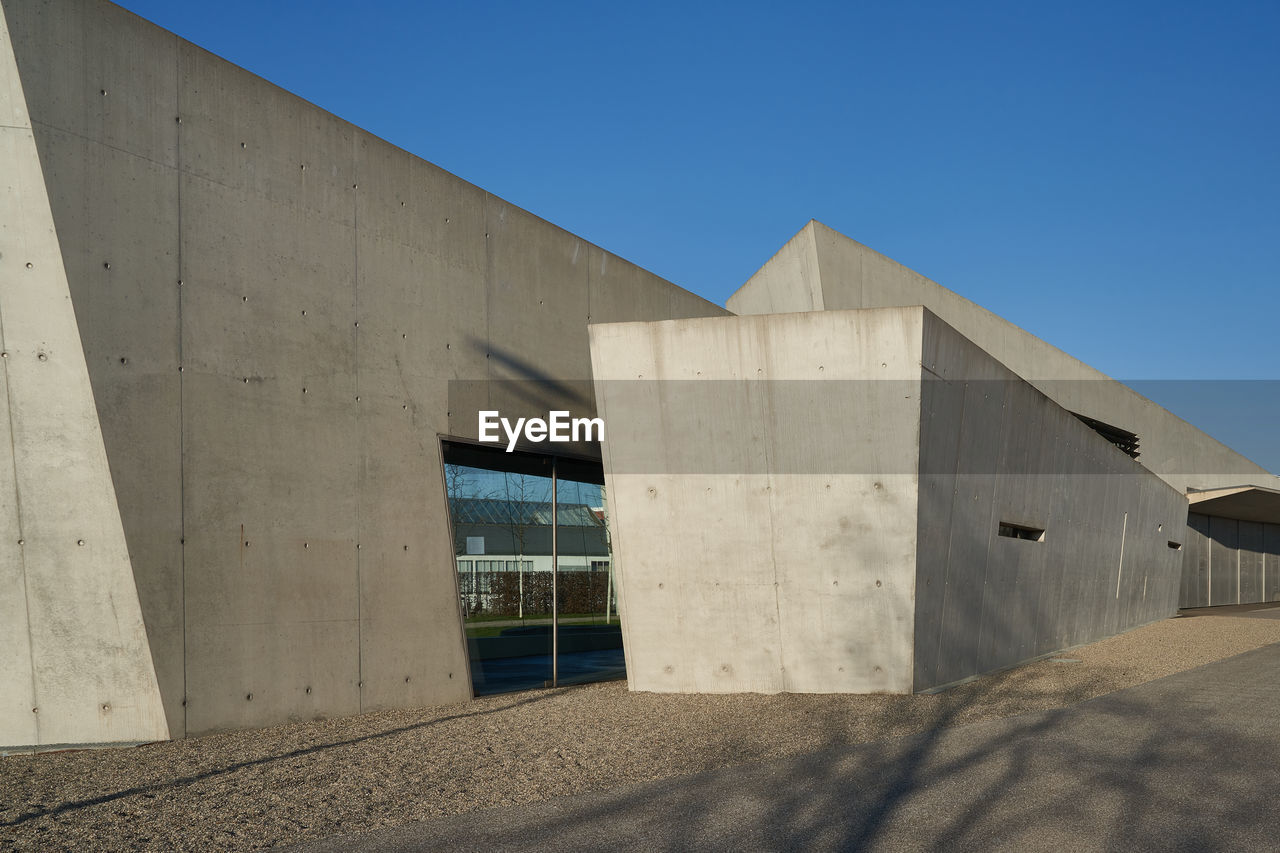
(75, 666)
(995, 450)
(850, 275)
(273, 304)
(761, 479)
(812, 502)
(790, 281)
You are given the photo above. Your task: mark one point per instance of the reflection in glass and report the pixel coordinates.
(507, 558)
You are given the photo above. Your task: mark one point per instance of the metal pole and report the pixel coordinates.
(555, 568)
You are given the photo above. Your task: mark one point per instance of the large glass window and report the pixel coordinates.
(535, 573)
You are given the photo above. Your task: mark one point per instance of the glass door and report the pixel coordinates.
(535, 573)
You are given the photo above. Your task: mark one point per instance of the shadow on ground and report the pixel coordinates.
(1185, 763)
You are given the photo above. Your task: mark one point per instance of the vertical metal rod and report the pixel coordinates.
(1124, 532)
(555, 570)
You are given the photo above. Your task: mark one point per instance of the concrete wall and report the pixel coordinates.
(273, 304)
(790, 281)
(762, 491)
(853, 276)
(1230, 561)
(993, 450)
(74, 661)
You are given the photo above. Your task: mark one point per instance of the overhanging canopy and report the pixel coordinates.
(1247, 503)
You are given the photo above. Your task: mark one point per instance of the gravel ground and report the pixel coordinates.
(249, 790)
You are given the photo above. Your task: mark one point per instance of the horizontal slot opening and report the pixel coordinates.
(1021, 531)
(1176, 546)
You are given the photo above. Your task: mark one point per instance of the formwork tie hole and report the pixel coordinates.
(80, 542)
(30, 265)
(42, 357)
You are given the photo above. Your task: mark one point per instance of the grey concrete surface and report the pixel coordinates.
(773, 546)
(993, 449)
(273, 304)
(811, 502)
(1188, 762)
(1229, 561)
(74, 659)
(822, 269)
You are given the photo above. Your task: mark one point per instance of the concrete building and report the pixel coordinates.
(878, 505)
(241, 339)
(234, 324)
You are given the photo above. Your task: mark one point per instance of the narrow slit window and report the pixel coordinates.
(1021, 531)
(1175, 546)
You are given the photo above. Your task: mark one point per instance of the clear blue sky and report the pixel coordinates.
(1105, 175)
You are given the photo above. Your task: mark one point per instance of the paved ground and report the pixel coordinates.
(1188, 762)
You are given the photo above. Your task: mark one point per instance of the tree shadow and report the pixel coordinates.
(1186, 762)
